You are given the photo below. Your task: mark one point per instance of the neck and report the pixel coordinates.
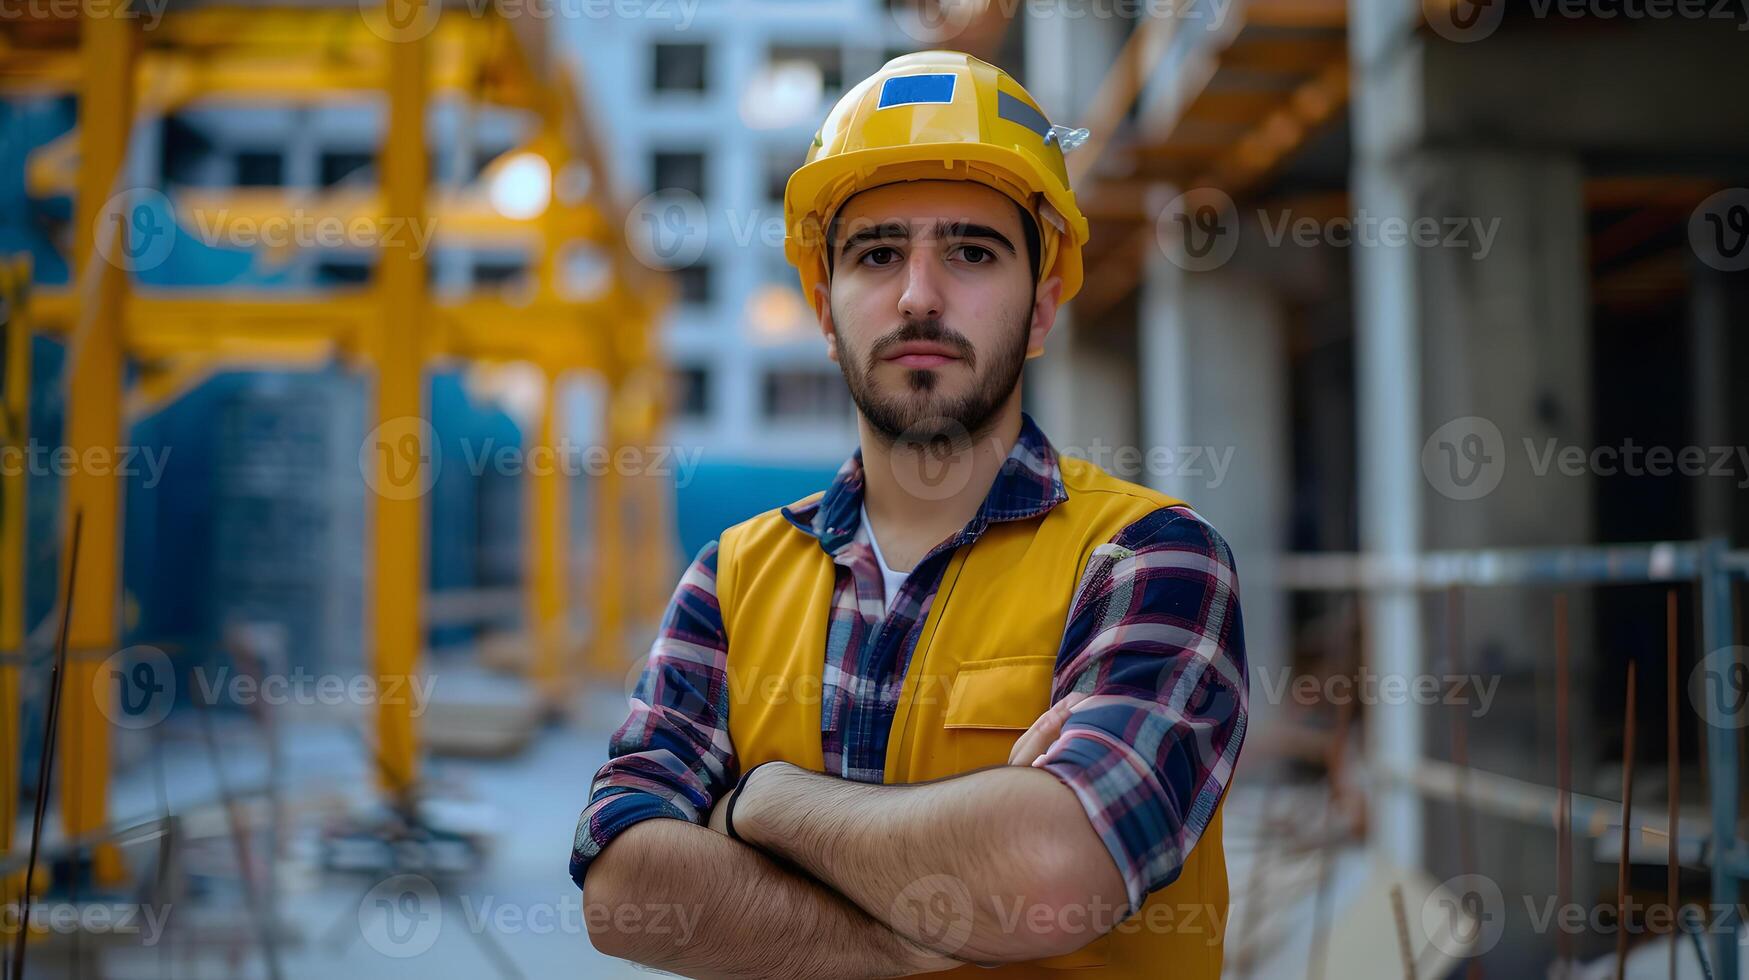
(920, 495)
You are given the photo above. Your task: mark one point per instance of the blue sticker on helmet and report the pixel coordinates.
(914, 89)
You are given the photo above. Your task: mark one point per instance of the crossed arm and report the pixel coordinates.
(859, 880)
(841, 878)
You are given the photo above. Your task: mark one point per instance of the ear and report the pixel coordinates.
(1044, 314)
(822, 300)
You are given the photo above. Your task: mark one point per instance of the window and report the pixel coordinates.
(678, 170)
(694, 283)
(498, 273)
(829, 58)
(482, 157)
(780, 163)
(806, 394)
(260, 168)
(679, 68)
(343, 272)
(689, 390)
(339, 165)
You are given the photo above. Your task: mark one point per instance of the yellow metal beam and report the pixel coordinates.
(607, 654)
(14, 434)
(547, 545)
(275, 217)
(94, 373)
(293, 329)
(555, 334)
(278, 54)
(546, 548)
(259, 54)
(398, 352)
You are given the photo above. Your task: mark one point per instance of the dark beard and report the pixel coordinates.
(951, 425)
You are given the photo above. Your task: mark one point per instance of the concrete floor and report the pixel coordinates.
(362, 925)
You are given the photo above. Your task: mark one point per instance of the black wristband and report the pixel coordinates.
(735, 796)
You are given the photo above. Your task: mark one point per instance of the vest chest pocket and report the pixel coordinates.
(991, 703)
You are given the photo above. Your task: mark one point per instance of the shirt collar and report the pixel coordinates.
(1028, 484)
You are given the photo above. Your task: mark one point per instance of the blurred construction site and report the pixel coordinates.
(371, 370)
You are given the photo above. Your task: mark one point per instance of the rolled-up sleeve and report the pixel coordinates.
(1154, 638)
(672, 756)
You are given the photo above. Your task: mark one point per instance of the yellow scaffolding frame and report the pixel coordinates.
(14, 434)
(393, 327)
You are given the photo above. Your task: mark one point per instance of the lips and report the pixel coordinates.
(922, 354)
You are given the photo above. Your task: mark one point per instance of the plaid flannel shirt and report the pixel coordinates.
(1154, 635)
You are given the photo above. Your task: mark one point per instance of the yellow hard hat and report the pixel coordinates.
(937, 115)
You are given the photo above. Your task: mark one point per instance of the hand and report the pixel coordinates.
(719, 818)
(1044, 731)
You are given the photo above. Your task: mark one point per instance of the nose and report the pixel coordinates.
(922, 297)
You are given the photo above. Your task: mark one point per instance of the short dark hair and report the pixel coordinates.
(1028, 229)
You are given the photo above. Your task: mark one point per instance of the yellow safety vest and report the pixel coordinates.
(979, 676)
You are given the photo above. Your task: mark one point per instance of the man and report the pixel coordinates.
(975, 703)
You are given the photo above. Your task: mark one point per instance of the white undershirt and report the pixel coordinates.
(890, 579)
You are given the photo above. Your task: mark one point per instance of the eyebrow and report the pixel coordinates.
(897, 231)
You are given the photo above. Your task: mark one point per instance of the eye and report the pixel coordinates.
(886, 251)
(975, 254)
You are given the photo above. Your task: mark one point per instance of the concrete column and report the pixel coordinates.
(1473, 357)
(1083, 390)
(1715, 303)
(1387, 382)
(1213, 367)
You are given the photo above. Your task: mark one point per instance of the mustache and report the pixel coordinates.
(931, 330)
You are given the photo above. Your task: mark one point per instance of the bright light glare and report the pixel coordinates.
(782, 94)
(522, 187)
